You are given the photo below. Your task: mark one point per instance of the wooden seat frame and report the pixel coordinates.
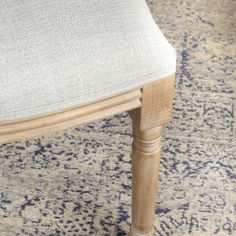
(150, 108)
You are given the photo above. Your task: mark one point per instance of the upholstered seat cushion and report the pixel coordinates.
(56, 54)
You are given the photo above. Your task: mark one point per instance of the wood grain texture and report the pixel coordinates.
(148, 125)
(158, 99)
(145, 168)
(150, 108)
(68, 118)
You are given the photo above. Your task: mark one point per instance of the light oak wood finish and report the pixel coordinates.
(41, 125)
(148, 125)
(157, 103)
(145, 167)
(150, 107)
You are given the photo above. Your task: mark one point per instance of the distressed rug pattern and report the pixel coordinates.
(78, 182)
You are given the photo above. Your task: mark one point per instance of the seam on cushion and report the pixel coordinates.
(138, 80)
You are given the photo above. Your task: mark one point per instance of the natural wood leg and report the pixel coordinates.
(148, 126)
(145, 168)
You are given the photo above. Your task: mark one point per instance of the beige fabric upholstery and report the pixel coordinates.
(56, 54)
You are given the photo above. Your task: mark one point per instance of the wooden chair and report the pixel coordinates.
(41, 47)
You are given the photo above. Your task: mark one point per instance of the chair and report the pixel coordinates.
(67, 63)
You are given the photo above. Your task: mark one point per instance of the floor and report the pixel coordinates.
(78, 182)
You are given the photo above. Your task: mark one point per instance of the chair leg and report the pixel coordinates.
(145, 168)
(148, 123)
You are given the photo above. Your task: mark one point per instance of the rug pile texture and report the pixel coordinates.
(78, 182)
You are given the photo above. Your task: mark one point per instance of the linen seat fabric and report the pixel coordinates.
(57, 54)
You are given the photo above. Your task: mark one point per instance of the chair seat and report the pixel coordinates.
(57, 54)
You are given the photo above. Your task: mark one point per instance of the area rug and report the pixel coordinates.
(78, 182)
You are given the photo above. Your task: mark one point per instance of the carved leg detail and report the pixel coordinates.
(148, 122)
(145, 168)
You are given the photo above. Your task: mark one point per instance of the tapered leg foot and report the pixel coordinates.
(133, 233)
(148, 122)
(145, 168)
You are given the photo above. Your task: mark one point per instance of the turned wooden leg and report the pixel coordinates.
(145, 167)
(148, 124)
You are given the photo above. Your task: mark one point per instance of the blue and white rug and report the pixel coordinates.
(77, 183)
